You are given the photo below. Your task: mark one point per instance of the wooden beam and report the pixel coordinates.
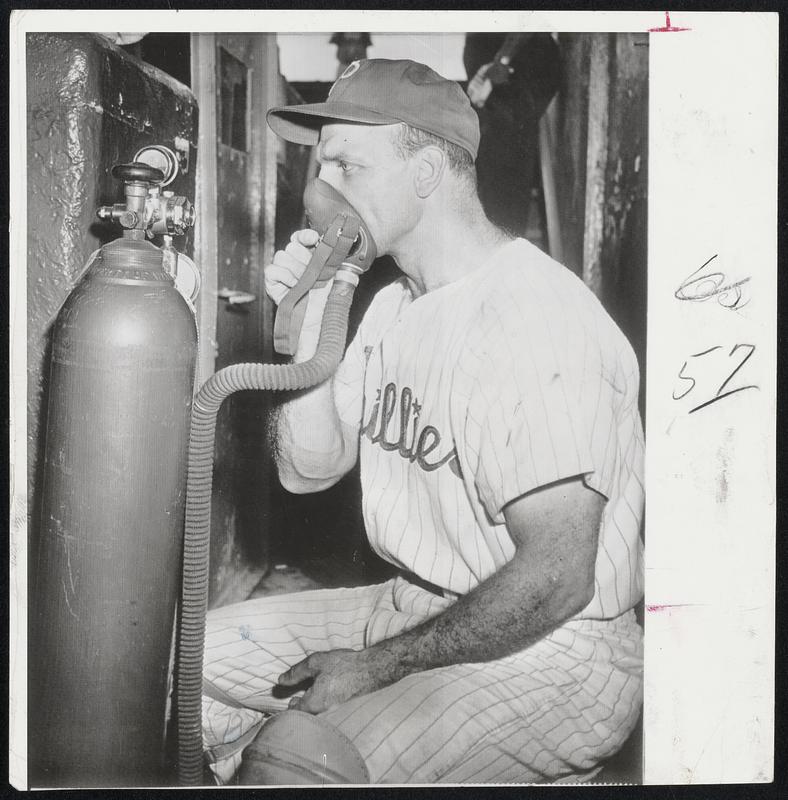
(547, 156)
(203, 69)
(596, 160)
(268, 147)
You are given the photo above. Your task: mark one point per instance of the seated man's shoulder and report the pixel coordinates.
(529, 289)
(532, 299)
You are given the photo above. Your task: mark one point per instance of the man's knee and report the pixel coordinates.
(298, 748)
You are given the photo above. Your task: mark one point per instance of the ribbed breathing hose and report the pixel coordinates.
(194, 602)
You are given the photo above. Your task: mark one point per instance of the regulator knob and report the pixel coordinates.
(135, 172)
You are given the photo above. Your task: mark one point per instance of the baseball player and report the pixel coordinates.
(492, 403)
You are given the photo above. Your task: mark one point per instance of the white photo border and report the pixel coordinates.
(711, 484)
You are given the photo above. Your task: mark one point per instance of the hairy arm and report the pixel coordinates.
(313, 447)
(548, 581)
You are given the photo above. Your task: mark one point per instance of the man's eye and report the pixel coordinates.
(344, 166)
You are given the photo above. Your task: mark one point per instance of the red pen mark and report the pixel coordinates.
(667, 606)
(667, 27)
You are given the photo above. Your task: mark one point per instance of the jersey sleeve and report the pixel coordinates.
(526, 423)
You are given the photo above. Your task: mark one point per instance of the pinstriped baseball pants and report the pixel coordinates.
(550, 712)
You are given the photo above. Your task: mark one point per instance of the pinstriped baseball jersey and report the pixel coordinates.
(476, 393)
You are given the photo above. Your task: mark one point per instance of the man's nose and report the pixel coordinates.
(324, 173)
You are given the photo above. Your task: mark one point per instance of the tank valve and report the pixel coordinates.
(147, 208)
(120, 214)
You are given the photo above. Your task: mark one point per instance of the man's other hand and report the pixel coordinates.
(336, 675)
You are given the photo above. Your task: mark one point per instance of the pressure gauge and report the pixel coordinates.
(160, 157)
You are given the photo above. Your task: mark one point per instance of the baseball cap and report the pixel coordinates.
(381, 91)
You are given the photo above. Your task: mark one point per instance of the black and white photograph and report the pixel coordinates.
(376, 399)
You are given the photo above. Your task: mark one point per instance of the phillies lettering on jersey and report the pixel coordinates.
(412, 442)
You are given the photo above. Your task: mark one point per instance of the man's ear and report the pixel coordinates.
(429, 170)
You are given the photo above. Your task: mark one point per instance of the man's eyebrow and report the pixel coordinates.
(337, 155)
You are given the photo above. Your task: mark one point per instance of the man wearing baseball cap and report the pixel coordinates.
(492, 403)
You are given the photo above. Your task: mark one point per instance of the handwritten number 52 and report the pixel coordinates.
(740, 354)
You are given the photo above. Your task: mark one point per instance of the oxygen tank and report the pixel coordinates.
(106, 575)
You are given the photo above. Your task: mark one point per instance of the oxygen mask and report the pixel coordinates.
(346, 250)
(323, 205)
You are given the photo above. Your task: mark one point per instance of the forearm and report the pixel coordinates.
(509, 611)
(312, 449)
(549, 580)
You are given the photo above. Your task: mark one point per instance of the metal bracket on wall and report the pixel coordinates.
(235, 296)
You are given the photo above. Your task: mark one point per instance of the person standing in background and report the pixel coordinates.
(512, 77)
(350, 47)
